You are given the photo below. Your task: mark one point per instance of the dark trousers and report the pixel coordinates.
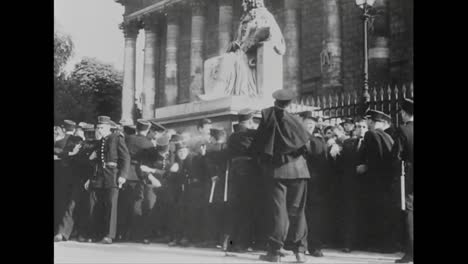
(349, 212)
(192, 212)
(214, 221)
(70, 218)
(128, 196)
(287, 199)
(316, 217)
(380, 224)
(144, 220)
(102, 214)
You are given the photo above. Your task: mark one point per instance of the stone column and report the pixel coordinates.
(379, 52)
(225, 25)
(291, 33)
(172, 39)
(149, 72)
(331, 46)
(128, 90)
(196, 49)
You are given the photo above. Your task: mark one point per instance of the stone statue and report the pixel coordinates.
(236, 72)
(325, 57)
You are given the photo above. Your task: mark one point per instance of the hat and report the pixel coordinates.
(68, 124)
(88, 127)
(104, 120)
(245, 114)
(203, 122)
(284, 94)
(126, 122)
(156, 126)
(82, 124)
(347, 120)
(180, 145)
(176, 138)
(217, 133)
(407, 106)
(142, 124)
(380, 116)
(308, 115)
(369, 113)
(162, 143)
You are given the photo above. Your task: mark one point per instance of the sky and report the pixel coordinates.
(94, 28)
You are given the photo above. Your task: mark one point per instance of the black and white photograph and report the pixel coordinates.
(233, 131)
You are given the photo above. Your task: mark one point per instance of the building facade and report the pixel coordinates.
(324, 40)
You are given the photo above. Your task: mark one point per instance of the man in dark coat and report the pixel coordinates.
(243, 206)
(376, 160)
(112, 164)
(280, 145)
(131, 197)
(349, 186)
(62, 172)
(403, 150)
(317, 156)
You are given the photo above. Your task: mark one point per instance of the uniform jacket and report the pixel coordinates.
(317, 156)
(111, 150)
(239, 143)
(280, 144)
(376, 153)
(136, 144)
(403, 150)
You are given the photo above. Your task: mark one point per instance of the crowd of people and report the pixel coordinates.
(277, 183)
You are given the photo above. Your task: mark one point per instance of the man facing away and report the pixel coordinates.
(280, 145)
(404, 152)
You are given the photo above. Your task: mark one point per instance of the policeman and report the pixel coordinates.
(317, 156)
(154, 167)
(131, 197)
(61, 172)
(349, 187)
(404, 152)
(215, 158)
(377, 162)
(243, 183)
(280, 145)
(112, 165)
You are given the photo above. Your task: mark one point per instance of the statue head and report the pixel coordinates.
(248, 5)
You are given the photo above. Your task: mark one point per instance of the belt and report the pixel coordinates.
(241, 158)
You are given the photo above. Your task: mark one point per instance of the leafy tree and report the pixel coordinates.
(63, 51)
(99, 85)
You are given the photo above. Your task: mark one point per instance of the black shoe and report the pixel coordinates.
(106, 240)
(82, 239)
(346, 250)
(316, 253)
(59, 238)
(270, 257)
(300, 257)
(146, 241)
(405, 259)
(173, 243)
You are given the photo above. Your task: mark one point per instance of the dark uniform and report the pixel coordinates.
(113, 161)
(319, 168)
(349, 189)
(131, 197)
(193, 195)
(61, 173)
(80, 170)
(244, 182)
(215, 164)
(380, 214)
(403, 150)
(155, 215)
(280, 145)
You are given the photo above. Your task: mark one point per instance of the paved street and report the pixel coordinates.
(74, 252)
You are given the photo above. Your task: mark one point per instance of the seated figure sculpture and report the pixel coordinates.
(237, 73)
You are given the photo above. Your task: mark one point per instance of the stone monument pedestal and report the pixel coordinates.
(223, 110)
